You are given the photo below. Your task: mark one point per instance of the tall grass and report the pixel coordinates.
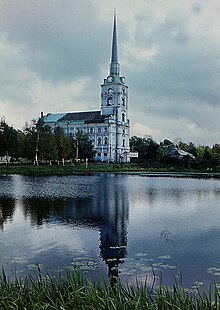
(74, 290)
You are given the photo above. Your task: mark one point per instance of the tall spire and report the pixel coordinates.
(114, 65)
(114, 41)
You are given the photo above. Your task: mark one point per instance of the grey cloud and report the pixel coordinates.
(196, 8)
(153, 29)
(188, 73)
(60, 39)
(180, 82)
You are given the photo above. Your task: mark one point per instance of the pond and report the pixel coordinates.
(140, 227)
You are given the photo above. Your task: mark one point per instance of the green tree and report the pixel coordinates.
(190, 148)
(216, 151)
(207, 153)
(63, 144)
(30, 140)
(200, 149)
(8, 140)
(82, 146)
(147, 148)
(47, 145)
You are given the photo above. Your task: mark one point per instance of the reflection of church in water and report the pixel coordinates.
(106, 210)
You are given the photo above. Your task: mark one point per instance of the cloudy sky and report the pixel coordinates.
(55, 54)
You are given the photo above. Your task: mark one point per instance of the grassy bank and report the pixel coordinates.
(67, 169)
(75, 291)
(70, 169)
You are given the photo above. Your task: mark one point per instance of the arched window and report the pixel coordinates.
(99, 140)
(106, 141)
(123, 91)
(123, 117)
(123, 143)
(110, 91)
(123, 101)
(109, 101)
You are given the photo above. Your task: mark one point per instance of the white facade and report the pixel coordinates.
(109, 128)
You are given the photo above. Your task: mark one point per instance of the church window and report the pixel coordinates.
(109, 101)
(106, 140)
(123, 117)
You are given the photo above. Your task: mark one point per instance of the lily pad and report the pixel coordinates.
(214, 270)
(140, 254)
(164, 257)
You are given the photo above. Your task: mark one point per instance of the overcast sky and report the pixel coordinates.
(55, 54)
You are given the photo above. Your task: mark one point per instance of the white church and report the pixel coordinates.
(108, 128)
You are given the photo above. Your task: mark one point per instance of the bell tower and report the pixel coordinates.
(114, 101)
(114, 91)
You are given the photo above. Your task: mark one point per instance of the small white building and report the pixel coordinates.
(4, 159)
(108, 128)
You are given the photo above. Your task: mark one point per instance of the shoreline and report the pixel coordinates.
(131, 169)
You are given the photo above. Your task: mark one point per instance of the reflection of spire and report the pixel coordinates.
(113, 247)
(114, 65)
(113, 232)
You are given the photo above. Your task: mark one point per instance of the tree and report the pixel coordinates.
(8, 140)
(147, 148)
(47, 145)
(216, 151)
(207, 153)
(82, 146)
(63, 144)
(190, 148)
(30, 142)
(200, 149)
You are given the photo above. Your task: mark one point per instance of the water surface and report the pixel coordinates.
(141, 226)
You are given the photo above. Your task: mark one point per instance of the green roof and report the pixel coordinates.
(53, 118)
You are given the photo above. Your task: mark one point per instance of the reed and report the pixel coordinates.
(74, 290)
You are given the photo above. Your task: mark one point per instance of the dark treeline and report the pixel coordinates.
(176, 153)
(37, 143)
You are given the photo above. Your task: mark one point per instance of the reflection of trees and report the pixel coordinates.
(65, 211)
(7, 206)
